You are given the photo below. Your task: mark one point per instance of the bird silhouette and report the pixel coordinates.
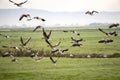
(108, 33)
(91, 13)
(23, 44)
(75, 32)
(105, 41)
(76, 40)
(46, 36)
(114, 25)
(26, 16)
(18, 4)
(37, 28)
(54, 61)
(38, 18)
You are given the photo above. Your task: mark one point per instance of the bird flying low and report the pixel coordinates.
(18, 4)
(114, 25)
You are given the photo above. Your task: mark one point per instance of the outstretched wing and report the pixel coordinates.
(21, 17)
(23, 2)
(36, 28)
(95, 12)
(27, 40)
(102, 31)
(21, 40)
(12, 2)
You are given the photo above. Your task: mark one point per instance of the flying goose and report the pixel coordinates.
(46, 36)
(38, 18)
(23, 44)
(105, 41)
(76, 40)
(37, 28)
(75, 32)
(18, 4)
(54, 61)
(114, 25)
(91, 13)
(26, 16)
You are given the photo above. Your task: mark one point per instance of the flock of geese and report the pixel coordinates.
(54, 49)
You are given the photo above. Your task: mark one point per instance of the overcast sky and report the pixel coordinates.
(66, 5)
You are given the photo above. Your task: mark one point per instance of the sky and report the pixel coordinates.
(66, 5)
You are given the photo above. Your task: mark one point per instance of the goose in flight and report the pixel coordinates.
(37, 28)
(114, 25)
(109, 33)
(54, 61)
(105, 41)
(25, 16)
(91, 13)
(76, 40)
(75, 32)
(18, 4)
(38, 18)
(46, 36)
(23, 44)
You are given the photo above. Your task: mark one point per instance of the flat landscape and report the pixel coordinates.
(27, 68)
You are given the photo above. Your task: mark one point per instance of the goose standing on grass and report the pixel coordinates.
(18, 4)
(91, 12)
(6, 54)
(25, 16)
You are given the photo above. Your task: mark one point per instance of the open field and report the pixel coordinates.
(90, 43)
(66, 69)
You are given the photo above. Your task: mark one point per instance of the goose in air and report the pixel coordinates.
(23, 44)
(109, 33)
(105, 41)
(75, 32)
(38, 18)
(37, 28)
(76, 40)
(37, 58)
(25, 16)
(114, 25)
(54, 61)
(91, 12)
(18, 4)
(46, 36)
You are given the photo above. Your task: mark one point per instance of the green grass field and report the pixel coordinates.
(90, 43)
(66, 69)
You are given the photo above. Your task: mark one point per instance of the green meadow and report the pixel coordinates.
(90, 40)
(65, 69)
(27, 68)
